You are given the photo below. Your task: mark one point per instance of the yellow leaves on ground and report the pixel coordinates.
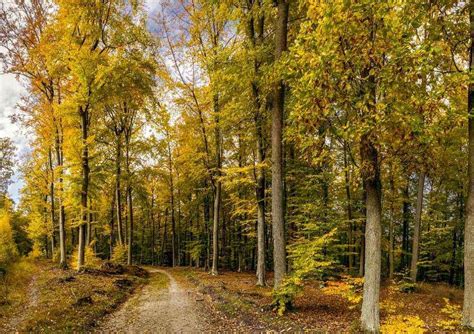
(453, 312)
(403, 324)
(349, 288)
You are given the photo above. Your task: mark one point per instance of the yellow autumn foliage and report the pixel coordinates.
(454, 314)
(91, 260)
(349, 289)
(403, 325)
(8, 251)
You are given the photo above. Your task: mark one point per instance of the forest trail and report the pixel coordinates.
(32, 302)
(156, 309)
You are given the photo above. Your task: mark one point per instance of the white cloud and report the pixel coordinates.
(152, 5)
(10, 94)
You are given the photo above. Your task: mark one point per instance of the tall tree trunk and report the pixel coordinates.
(52, 204)
(163, 241)
(278, 215)
(112, 228)
(373, 231)
(207, 218)
(118, 191)
(129, 200)
(416, 230)
(62, 216)
(217, 187)
(391, 262)
(152, 219)
(405, 225)
(215, 226)
(255, 34)
(370, 172)
(84, 114)
(260, 194)
(468, 307)
(173, 227)
(347, 184)
(173, 219)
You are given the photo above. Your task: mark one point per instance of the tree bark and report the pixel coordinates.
(129, 203)
(217, 187)
(416, 230)
(278, 216)
(84, 114)
(370, 172)
(173, 219)
(347, 184)
(468, 307)
(391, 260)
(130, 234)
(152, 219)
(118, 191)
(52, 204)
(405, 227)
(256, 37)
(62, 216)
(373, 230)
(112, 228)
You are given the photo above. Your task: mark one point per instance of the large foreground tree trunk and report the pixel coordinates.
(278, 217)
(373, 232)
(255, 34)
(468, 308)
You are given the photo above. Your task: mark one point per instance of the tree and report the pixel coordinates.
(468, 307)
(278, 215)
(7, 161)
(8, 250)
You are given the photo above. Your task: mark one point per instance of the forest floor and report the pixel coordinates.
(331, 307)
(43, 298)
(37, 296)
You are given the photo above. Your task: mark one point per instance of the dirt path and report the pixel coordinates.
(32, 301)
(156, 309)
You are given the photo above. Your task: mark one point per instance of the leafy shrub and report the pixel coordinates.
(37, 250)
(8, 250)
(90, 259)
(309, 261)
(407, 287)
(119, 254)
(284, 296)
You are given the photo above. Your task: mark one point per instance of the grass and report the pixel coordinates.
(44, 298)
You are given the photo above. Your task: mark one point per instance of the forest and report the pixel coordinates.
(280, 165)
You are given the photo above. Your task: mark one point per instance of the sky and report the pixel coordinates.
(10, 94)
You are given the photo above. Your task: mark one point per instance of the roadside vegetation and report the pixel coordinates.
(38, 296)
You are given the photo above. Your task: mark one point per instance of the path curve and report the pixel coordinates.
(155, 309)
